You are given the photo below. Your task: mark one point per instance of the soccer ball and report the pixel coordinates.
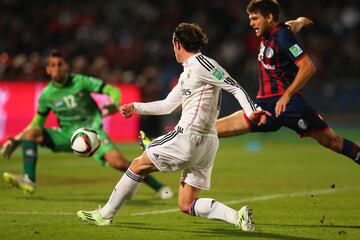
(85, 142)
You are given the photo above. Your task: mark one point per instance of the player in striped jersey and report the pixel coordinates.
(192, 146)
(284, 69)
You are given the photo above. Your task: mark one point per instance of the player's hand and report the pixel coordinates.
(299, 23)
(127, 110)
(109, 109)
(259, 116)
(9, 147)
(281, 104)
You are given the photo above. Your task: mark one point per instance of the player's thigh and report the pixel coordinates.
(57, 139)
(235, 123)
(170, 152)
(199, 174)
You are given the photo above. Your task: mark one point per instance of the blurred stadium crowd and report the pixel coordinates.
(130, 41)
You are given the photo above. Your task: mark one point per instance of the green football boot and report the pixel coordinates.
(143, 140)
(94, 217)
(244, 220)
(20, 181)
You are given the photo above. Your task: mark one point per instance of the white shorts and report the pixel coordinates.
(190, 152)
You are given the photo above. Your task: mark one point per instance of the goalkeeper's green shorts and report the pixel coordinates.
(58, 140)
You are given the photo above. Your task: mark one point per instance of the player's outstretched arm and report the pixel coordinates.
(297, 24)
(223, 80)
(109, 109)
(161, 107)
(114, 94)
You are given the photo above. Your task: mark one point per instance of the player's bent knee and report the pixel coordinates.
(337, 144)
(184, 207)
(135, 164)
(333, 143)
(32, 134)
(141, 166)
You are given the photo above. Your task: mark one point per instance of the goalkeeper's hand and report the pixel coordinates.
(9, 147)
(109, 109)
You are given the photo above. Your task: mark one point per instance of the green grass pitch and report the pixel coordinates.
(297, 189)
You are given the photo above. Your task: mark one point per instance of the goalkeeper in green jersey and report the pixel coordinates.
(68, 96)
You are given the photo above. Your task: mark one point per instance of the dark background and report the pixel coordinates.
(130, 41)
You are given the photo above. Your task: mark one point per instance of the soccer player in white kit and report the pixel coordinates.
(192, 146)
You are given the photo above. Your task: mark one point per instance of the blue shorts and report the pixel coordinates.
(298, 116)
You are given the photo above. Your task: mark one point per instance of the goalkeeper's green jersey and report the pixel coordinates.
(72, 103)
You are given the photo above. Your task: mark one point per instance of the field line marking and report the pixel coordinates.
(170, 210)
(35, 213)
(254, 199)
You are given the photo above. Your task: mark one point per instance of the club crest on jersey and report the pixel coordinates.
(218, 74)
(302, 124)
(262, 52)
(58, 102)
(296, 50)
(184, 91)
(269, 52)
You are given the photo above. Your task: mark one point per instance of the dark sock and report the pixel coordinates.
(351, 150)
(152, 182)
(30, 158)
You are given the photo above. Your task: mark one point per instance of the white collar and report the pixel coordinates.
(191, 59)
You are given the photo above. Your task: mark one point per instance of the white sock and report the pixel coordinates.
(211, 209)
(124, 190)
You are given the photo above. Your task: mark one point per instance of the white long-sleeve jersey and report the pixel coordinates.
(199, 91)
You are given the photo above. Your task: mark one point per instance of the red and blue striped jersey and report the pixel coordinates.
(277, 59)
